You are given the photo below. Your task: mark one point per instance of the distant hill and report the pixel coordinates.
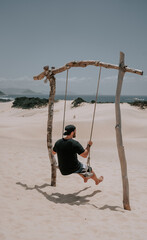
(19, 91)
(28, 92)
(2, 93)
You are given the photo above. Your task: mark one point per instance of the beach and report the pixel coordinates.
(33, 210)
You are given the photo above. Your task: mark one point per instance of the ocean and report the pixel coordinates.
(87, 98)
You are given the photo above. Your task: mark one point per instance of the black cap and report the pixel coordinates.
(69, 129)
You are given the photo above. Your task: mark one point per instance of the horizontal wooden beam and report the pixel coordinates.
(83, 64)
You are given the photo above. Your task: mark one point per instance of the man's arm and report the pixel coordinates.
(87, 149)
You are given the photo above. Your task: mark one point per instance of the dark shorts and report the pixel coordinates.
(84, 168)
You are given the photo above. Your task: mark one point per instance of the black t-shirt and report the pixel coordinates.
(67, 150)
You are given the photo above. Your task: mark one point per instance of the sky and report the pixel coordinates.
(36, 33)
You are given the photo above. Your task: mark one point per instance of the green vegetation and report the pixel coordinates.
(92, 101)
(27, 103)
(77, 102)
(140, 104)
(5, 100)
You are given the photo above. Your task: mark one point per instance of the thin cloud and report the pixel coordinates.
(74, 79)
(110, 78)
(2, 79)
(144, 77)
(18, 79)
(135, 77)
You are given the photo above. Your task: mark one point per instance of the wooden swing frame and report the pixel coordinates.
(50, 76)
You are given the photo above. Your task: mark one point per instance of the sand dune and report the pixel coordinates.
(33, 210)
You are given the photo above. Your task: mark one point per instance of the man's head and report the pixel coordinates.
(70, 130)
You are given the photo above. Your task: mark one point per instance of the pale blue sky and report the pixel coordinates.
(35, 33)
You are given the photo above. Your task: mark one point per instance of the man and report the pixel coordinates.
(67, 150)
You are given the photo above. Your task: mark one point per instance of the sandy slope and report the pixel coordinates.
(33, 210)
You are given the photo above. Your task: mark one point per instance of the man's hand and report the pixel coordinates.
(87, 149)
(90, 143)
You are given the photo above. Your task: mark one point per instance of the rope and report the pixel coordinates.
(65, 102)
(88, 159)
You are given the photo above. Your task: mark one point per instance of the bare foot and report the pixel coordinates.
(86, 179)
(100, 179)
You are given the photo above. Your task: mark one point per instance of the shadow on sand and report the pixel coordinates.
(71, 199)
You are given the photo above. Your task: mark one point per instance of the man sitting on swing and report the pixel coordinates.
(67, 150)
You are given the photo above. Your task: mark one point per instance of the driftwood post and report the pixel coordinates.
(49, 74)
(52, 81)
(120, 147)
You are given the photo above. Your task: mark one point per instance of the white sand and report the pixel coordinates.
(30, 209)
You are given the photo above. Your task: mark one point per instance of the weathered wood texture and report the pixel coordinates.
(120, 147)
(49, 74)
(52, 81)
(69, 65)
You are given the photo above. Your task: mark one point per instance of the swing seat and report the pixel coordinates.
(87, 174)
